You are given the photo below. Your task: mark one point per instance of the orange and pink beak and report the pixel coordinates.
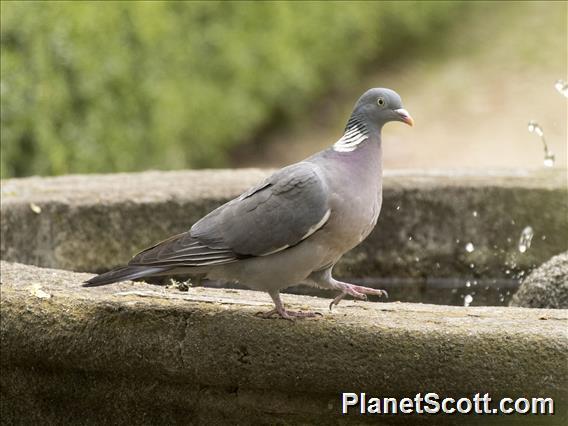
(405, 116)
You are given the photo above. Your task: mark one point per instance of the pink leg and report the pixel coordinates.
(357, 291)
(283, 313)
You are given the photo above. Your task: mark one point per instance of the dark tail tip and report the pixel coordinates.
(122, 273)
(98, 281)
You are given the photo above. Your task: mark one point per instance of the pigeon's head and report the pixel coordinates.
(379, 106)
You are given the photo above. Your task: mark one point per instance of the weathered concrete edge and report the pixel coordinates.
(159, 186)
(210, 338)
(95, 222)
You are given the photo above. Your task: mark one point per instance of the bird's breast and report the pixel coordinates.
(355, 183)
(354, 218)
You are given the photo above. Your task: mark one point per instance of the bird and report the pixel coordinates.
(294, 226)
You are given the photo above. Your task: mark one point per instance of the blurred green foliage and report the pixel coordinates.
(105, 86)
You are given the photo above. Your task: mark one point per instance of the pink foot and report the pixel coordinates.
(283, 313)
(357, 292)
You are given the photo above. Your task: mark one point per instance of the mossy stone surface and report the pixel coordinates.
(546, 286)
(132, 352)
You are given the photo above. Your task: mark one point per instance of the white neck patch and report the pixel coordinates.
(355, 134)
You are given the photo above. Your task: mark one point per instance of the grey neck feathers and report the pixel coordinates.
(356, 132)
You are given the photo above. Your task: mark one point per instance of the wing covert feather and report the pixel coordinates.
(280, 212)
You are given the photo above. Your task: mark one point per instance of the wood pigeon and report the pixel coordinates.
(294, 226)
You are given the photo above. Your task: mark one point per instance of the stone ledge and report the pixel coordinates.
(546, 286)
(95, 222)
(140, 353)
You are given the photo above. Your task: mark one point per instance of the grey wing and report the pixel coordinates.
(282, 211)
(182, 250)
(279, 213)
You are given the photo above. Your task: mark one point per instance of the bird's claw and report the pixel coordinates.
(358, 292)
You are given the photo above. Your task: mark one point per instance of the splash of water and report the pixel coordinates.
(535, 128)
(562, 87)
(549, 160)
(525, 239)
(469, 247)
(467, 300)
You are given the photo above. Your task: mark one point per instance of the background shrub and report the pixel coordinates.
(104, 87)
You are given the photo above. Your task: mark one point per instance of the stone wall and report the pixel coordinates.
(131, 354)
(93, 222)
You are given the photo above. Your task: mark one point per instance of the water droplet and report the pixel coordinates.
(531, 126)
(471, 265)
(474, 213)
(468, 284)
(534, 127)
(469, 247)
(507, 272)
(501, 298)
(398, 207)
(457, 241)
(525, 239)
(467, 300)
(35, 208)
(543, 237)
(417, 259)
(562, 87)
(410, 238)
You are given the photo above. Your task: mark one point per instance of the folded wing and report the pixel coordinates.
(282, 211)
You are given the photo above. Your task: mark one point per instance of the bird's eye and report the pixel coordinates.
(381, 101)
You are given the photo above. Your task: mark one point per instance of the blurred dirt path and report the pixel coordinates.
(471, 98)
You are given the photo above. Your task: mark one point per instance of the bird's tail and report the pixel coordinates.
(123, 273)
